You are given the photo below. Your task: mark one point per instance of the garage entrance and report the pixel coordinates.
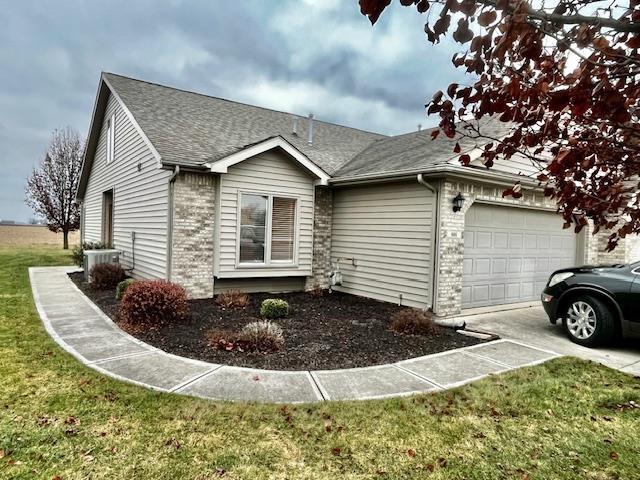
(509, 253)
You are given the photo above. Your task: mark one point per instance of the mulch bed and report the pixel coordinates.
(330, 331)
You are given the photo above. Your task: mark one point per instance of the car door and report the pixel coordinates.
(631, 309)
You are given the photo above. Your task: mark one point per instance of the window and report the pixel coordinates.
(107, 218)
(267, 230)
(111, 138)
(283, 226)
(253, 226)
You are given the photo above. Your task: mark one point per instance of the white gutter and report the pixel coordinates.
(435, 245)
(468, 173)
(170, 183)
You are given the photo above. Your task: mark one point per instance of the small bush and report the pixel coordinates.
(105, 276)
(262, 336)
(233, 298)
(152, 303)
(414, 322)
(221, 339)
(274, 308)
(123, 286)
(78, 251)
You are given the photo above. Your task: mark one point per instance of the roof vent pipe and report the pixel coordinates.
(419, 127)
(295, 126)
(310, 129)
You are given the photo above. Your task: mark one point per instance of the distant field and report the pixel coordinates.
(25, 235)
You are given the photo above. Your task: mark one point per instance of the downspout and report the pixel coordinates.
(172, 179)
(436, 239)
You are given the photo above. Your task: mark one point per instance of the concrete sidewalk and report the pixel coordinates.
(81, 328)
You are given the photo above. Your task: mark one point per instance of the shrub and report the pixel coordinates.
(414, 321)
(105, 276)
(262, 336)
(153, 302)
(222, 339)
(78, 251)
(123, 286)
(233, 298)
(274, 308)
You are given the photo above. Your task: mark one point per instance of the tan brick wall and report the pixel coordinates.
(193, 233)
(26, 235)
(321, 262)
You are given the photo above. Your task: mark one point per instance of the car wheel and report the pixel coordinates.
(589, 322)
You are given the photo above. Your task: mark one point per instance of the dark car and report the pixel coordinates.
(595, 304)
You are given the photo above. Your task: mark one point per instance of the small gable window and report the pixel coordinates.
(111, 138)
(267, 234)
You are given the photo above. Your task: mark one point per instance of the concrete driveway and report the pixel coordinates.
(531, 326)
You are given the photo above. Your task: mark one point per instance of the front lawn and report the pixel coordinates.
(564, 419)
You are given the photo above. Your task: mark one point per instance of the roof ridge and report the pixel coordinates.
(242, 103)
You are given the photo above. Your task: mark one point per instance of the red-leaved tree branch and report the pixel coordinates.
(565, 76)
(51, 187)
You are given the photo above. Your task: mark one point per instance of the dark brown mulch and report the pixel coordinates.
(335, 330)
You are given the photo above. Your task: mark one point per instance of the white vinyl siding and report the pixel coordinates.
(140, 198)
(387, 230)
(274, 175)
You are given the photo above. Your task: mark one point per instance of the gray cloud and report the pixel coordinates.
(303, 55)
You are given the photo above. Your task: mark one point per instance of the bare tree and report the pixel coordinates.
(51, 188)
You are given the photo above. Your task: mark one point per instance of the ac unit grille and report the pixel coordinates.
(95, 257)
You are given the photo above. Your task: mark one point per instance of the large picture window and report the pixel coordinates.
(267, 229)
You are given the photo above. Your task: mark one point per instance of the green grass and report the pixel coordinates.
(59, 418)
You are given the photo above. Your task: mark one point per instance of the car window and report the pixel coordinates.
(635, 265)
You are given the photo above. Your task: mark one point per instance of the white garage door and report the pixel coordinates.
(509, 253)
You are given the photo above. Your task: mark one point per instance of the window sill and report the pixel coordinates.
(263, 266)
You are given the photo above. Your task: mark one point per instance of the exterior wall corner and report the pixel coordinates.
(192, 248)
(322, 219)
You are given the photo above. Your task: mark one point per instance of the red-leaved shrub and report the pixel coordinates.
(233, 298)
(414, 322)
(106, 275)
(153, 302)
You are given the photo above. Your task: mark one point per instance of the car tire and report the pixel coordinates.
(588, 321)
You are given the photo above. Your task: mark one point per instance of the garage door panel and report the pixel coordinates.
(543, 242)
(515, 240)
(497, 292)
(510, 252)
(483, 240)
(500, 240)
(499, 266)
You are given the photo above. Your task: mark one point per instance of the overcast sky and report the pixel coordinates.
(301, 56)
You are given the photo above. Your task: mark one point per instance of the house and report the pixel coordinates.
(215, 194)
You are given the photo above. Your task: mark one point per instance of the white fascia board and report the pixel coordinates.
(222, 166)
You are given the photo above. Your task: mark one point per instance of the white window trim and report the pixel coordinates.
(111, 138)
(268, 263)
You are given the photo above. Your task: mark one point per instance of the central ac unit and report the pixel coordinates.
(94, 257)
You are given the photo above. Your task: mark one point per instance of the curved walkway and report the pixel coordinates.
(83, 330)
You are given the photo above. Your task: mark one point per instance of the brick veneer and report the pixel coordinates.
(193, 233)
(321, 264)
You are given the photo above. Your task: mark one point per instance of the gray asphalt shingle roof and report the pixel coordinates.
(414, 151)
(191, 129)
